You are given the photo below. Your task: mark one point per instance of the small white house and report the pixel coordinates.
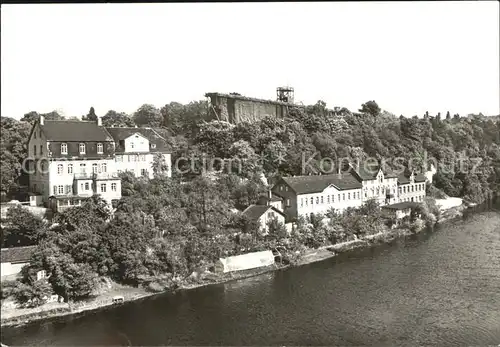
(263, 214)
(13, 260)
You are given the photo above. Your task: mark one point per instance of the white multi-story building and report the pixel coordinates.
(69, 161)
(412, 188)
(378, 185)
(303, 195)
(136, 149)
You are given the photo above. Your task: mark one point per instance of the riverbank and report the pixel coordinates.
(19, 316)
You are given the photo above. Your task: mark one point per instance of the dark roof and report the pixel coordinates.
(17, 254)
(404, 179)
(317, 183)
(121, 133)
(254, 212)
(401, 205)
(365, 174)
(71, 130)
(275, 197)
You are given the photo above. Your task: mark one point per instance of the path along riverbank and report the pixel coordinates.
(12, 315)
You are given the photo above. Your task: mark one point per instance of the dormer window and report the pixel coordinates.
(64, 148)
(99, 148)
(153, 145)
(81, 147)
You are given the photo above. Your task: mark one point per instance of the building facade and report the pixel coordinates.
(69, 161)
(304, 195)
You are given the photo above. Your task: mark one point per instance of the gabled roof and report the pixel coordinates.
(121, 133)
(17, 254)
(317, 183)
(254, 212)
(275, 197)
(367, 175)
(72, 131)
(405, 179)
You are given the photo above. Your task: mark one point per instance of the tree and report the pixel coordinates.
(32, 295)
(370, 107)
(33, 116)
(117, 119)
(91, 116)
(148, 115)
(159, 165)
(22, 228)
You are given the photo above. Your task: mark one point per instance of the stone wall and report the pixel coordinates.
(236, 109)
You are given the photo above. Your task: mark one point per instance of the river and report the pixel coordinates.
(438, 288)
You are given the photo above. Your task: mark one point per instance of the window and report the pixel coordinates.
(312, 201)
(34, 149)
(103, 187)
(317, 200)
(301, 202)
(87, 186)
(41, 149)
(70, 168)
(104, 167)
(81, 147)
(113, 187)
(64, 148)
(343, 196)
(60, 190)
(366, 195)
(333, 199)
(328, 199)
(144, 172)
(94, 168)
(60, 169)
(132, 145)
(55, 190)
(321, 198)
(286, 188)
(68, 189)
(83, 167)
(348, 196)
(153, 145)
(34, 135)
(288, 202)
(338, 197)
(142, 157)
(119, 158)
(307, 201)
(99, 148)
(131, 158)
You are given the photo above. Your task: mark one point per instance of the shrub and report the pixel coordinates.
(32, 295)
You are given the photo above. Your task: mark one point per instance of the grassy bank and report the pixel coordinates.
(18, 316)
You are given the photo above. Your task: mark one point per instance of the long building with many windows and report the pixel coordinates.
(303, 195)
(72, 160)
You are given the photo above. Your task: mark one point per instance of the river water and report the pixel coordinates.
(438, 288)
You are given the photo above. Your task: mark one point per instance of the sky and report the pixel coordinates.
(410, 57)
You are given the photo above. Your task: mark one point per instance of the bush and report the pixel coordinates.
(32, 295)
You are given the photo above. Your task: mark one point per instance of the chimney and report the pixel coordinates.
(99, 121)
(42, 120)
